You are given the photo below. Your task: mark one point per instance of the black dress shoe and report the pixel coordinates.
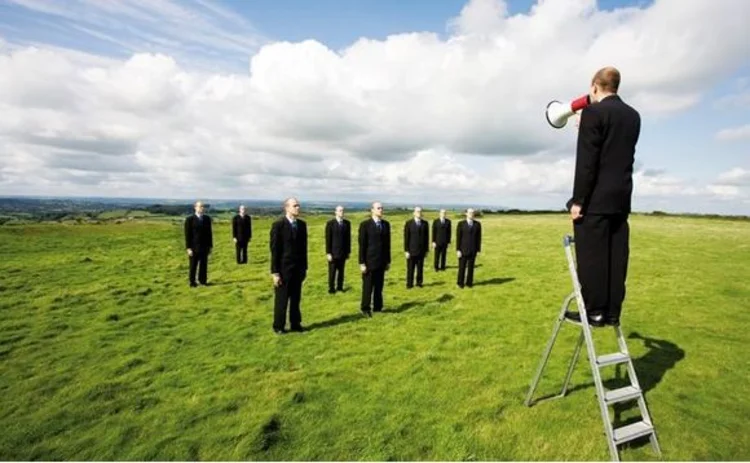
(330, 291)
(281, 331)
(193, 285)
(367, 313)
(377, 310)
(596, 319)
(612, 321)
(299, 329)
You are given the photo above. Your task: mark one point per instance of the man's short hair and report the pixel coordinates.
(608, 79)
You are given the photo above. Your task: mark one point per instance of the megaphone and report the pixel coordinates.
(558, 113)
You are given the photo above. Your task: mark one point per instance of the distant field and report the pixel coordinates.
(107, 354)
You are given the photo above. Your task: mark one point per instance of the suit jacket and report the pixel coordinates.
(288, 248)
(607, 135)
(199, 233)
(374, 244)
(416, 239)
(441, 233)
(339, 239)
(242, 228)
(469, 239)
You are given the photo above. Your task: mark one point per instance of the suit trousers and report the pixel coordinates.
(336, 274)
(602, 251)
(241, 247)
(288, 294)
(466, 271)
(412, 263)
(441, 250)
(372, 289)
(199, 262)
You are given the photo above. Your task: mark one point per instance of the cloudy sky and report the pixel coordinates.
(413, 102)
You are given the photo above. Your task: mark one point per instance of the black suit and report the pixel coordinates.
(441, 236)
(417, 244)
(288, 260)
(242, 231)
(339, 246)
(469, 242)
(607, 135)
(375, 254)
(199, 238)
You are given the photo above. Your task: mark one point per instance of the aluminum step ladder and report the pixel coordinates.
(606, 398)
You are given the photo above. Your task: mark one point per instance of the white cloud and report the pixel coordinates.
(734, 133)
(392, 117)
(735, 177)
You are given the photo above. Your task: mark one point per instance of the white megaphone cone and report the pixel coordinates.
(558, 113)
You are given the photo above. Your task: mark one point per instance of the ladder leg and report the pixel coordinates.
(548, 350)
(655, 444)
(573, 362)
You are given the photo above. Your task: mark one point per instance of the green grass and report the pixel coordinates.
(107, 354)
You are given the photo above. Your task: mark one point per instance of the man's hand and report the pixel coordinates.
(329, 257)
(406, 254)
(458, 253)
(363, 268)
(434, 245)
(575, 212)
(235, 240)
(276, 280)
(190, 252)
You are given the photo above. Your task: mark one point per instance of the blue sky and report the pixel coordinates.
(692, 156)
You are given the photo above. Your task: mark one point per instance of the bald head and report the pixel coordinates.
(605, 82)
(291, 207)
(377, 209)
(442, 213)
(198, 206)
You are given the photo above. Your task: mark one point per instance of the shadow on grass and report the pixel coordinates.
(352, 317)
(434, 283)
(494, 281)
(650, 369)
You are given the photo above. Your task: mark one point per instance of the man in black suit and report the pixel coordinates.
(607, 135)
(199, 241)
(242, 233)
(338, 249)
(288, 266)
(468, 247)
(416, 247)
(374, 258)
(441, 239)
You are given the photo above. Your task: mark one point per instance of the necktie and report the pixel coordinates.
(378, 224)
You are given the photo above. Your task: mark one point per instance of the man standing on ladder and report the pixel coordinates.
(607, 135)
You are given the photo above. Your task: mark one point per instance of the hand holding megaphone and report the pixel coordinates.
(558, 113)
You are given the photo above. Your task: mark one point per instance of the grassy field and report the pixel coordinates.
(106, 353)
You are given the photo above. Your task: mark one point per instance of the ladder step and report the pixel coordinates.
(612, 359)
(632, 431)
(622, 395)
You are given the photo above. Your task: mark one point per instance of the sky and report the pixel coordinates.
(422, 102)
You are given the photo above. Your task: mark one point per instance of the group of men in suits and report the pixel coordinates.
(288, 246)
